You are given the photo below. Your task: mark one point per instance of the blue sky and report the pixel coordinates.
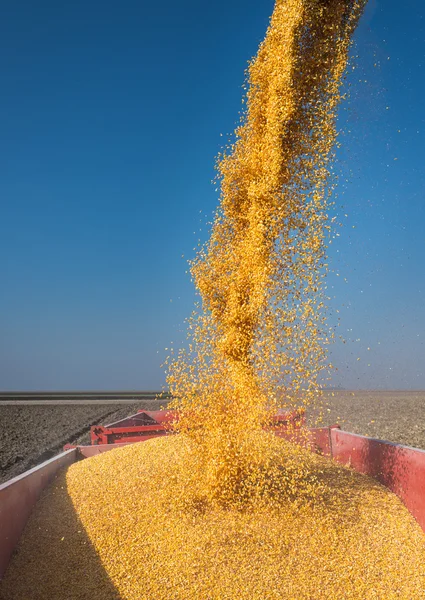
(111, 115)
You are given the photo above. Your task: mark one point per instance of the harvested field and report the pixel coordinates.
(396, 416)
(31, 433)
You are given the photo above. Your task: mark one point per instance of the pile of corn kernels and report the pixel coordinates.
(134, 524)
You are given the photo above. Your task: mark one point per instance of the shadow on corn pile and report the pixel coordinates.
(37, 568)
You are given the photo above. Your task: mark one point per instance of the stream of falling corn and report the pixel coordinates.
(225, 509)
(258, 341)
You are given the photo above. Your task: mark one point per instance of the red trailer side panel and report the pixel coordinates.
(146, 424)
(400, 468)
(17, 498)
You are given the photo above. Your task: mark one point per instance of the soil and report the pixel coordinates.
(30, 434)
(396, 416)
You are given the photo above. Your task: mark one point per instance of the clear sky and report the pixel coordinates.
(111, 115)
